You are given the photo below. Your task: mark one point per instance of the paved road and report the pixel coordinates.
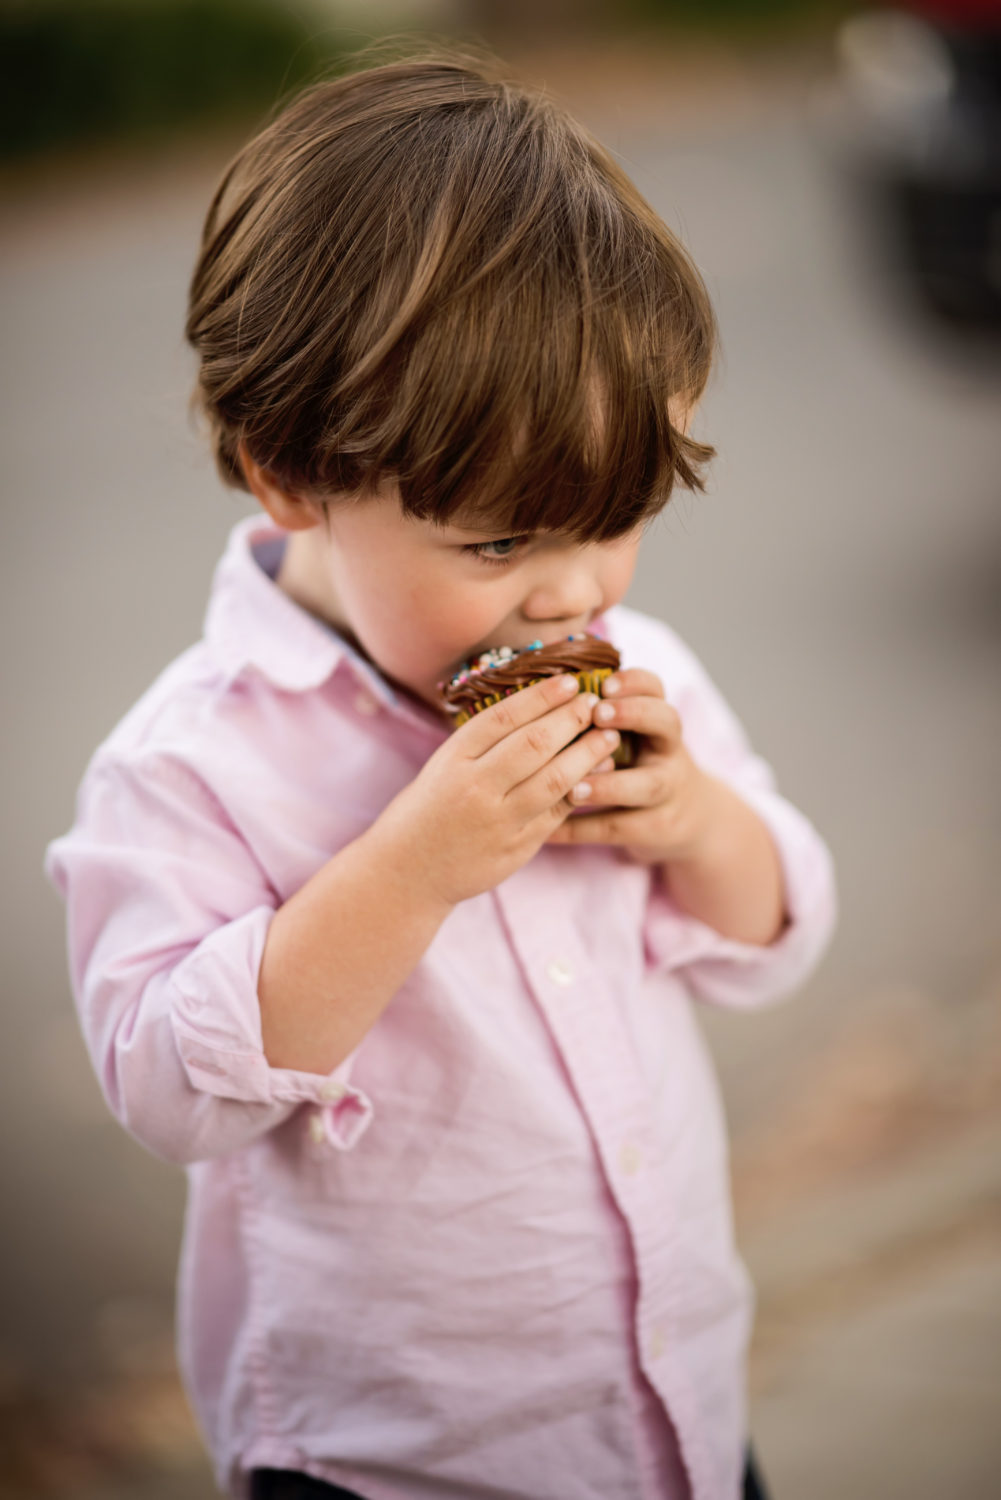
(842, 582)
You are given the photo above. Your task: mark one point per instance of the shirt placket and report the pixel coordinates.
(598, 1053)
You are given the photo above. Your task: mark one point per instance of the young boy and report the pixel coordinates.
(414, 1008)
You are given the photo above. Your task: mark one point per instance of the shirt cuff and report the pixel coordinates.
(217, 1026)
(724, 971)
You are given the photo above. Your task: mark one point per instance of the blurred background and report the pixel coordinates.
(836, 172)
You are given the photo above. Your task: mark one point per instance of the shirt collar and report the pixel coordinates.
(250, 623)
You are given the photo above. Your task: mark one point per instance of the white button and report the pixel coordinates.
(366, 705)
(332, 1090)
(630, 1158)
(658, 1343)
(560, 972)
(317, 1130)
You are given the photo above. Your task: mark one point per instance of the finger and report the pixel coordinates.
(644, 786)
(656, 720)
(550, 786)
(584, 787)
(491, 725)
(600, 828)
(629, 681)
(535, 746)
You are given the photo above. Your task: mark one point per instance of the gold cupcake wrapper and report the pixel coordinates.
(590, 683)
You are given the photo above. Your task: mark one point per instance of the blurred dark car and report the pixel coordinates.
(917, 105)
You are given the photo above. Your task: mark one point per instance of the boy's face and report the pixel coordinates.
(420, 599)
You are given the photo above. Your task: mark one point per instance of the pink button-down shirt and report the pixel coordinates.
(491, 1254)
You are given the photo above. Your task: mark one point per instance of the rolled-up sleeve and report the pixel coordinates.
(168, 913)
(716, 968)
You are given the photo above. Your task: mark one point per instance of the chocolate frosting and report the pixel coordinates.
(579, 653)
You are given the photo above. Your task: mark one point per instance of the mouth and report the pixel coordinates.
(549, 635)
(553, 637)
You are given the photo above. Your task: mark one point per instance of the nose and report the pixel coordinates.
(568, 587)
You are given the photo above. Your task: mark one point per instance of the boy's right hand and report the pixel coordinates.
(488, 798)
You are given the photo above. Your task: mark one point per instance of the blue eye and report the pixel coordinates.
(509, 543)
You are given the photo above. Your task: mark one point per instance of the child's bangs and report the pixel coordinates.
(551, 391)
(591, 478)
(591, 452)
(583, 488)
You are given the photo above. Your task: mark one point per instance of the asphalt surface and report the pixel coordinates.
(842, 582)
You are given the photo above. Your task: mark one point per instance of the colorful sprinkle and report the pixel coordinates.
(498, 657)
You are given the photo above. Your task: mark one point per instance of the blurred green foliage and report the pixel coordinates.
(75, 71)
(79, 71)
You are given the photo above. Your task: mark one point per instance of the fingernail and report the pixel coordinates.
(611, 686)
(589, 700)
(604, 712)
(568, 684)
(612, 736)
(581, 791)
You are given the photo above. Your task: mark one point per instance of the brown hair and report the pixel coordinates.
(426, 274)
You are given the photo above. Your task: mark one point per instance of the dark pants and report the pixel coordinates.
(283, 1484)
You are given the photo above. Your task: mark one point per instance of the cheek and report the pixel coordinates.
(433, 619)
(453, 616)
(620, 575)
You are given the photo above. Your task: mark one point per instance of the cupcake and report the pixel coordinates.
(496, 674)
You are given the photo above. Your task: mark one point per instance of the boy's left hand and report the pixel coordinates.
(662, 807)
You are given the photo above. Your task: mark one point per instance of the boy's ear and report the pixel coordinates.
(290, 512)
